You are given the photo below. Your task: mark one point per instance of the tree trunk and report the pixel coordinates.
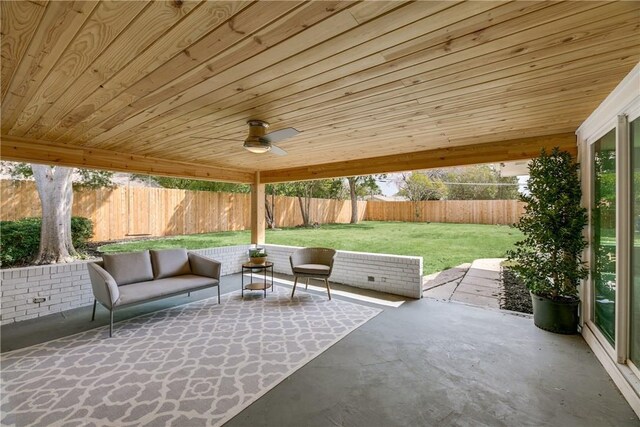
(354, 199)
(417, 206)
(271, 221)
(304, 209)
(56, 196)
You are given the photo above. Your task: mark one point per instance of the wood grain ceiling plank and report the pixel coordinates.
(133, 41)
(221, 41)
(412, 91)
(368, 99)
(334, 29)
(366, 11)
(19, 22)
(590, 79)
(297, 84)
(36, 151)
(524, 148)
(390, 130)
(172, 48)
(445, 18)
(389, 133)
(467, 88)
(194, 26)
(201, 80)
(411, 119)
(59, 25)
(444, 93)
(98, 32)
(226, 43)
(525, 16)
(507, 54)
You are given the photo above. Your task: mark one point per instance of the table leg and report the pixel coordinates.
(272, 278)
(265, 283)
(242, 278)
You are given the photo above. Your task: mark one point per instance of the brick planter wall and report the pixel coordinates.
(393, 274)
(67, 286)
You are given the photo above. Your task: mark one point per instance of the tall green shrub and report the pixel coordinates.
(549, 258)
(20, 240)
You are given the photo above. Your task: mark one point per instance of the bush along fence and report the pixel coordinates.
(20, 240)
(125, 212)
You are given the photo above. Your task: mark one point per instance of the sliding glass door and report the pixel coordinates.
(603, 221)
(634, 317)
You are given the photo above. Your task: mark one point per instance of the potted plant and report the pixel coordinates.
(548, 260)
(257, 255)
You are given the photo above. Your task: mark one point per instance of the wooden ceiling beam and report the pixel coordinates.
(37, 151)
(500, 151)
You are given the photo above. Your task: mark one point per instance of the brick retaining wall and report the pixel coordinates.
(393, 274)
(67, 286)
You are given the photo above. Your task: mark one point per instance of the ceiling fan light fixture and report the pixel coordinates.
(255, 145)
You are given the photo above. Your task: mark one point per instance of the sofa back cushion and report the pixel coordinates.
(129, 267)
(169, 263)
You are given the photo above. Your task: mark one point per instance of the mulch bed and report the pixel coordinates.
(515, 295)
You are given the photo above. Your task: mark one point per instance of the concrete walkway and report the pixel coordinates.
(477, 283)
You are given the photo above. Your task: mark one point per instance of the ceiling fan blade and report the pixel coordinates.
(280, 135)
(277, 150)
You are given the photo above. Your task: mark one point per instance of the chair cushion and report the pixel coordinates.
(158, 288)
(319, 269)
(129, 267)
(169, 263)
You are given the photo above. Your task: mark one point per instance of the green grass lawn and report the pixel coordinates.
(441, 245)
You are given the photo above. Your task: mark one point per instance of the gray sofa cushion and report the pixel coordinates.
(158, 288)
(129, 267)
(169, 263)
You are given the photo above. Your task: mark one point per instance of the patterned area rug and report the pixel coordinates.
(193, 365)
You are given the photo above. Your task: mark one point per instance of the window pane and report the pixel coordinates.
(635, 236)
(604, 234)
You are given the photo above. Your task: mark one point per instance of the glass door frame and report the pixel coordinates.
(619, 352)
(632, 115)
(588, 304)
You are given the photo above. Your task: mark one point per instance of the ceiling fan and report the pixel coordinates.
(260, 142)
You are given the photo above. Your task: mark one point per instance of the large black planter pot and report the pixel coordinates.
(560, 317)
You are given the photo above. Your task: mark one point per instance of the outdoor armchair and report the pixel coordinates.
(312, 263)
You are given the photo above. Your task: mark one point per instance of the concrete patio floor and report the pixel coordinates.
(427, 363)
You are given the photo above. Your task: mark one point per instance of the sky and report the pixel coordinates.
(389, 187)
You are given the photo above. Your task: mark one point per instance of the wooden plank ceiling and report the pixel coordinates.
(176, 81)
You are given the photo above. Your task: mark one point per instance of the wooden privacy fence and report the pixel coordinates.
(125, 212)
(454, 211)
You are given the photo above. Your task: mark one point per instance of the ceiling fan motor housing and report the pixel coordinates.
(255, 141)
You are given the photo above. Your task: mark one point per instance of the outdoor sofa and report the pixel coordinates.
(122, 280)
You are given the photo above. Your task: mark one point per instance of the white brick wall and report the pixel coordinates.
(67, 286)
(63, 287)
(394, 274)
